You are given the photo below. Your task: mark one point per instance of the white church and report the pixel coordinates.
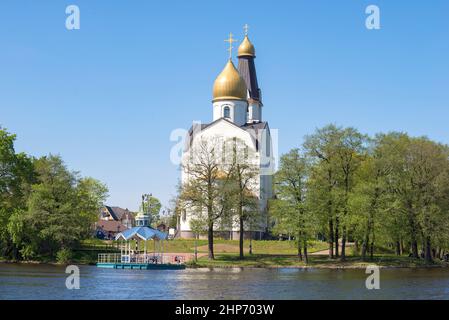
(237, 113)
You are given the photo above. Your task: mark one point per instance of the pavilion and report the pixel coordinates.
(132, 257)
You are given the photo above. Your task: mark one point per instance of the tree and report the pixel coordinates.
(429, 163)
(321, 149)
(243, 178)
(91, 195)
(60, 210)
(206, 189)
(402, 189)
(198, 228)
(395, 148)
(151, 206)
(335, 154)
(350, 150)
(289, 209)
(365, 200)
(16, 176)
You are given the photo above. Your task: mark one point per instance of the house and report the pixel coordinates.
(162, 227)
(113, 220)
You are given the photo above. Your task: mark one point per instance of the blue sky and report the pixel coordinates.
(106, 97)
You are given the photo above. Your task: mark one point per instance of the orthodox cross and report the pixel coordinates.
(246, 27)
(230, 40)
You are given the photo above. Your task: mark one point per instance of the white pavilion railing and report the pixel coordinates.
(137, 258)
(109, 258)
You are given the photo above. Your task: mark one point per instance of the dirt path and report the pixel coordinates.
(326, 252)
(185, 256)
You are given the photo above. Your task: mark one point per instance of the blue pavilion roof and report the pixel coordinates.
(144, 233)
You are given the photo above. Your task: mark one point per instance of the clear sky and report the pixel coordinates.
(106, 97)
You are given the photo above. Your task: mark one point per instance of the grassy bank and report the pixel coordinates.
(232, 246)
(266, 254)
(220, 246)
(290, 261)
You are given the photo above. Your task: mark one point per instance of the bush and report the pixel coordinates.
(28, 252)
(64, 256)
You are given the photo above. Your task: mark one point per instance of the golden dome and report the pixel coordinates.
(246, 48)
(229, 84)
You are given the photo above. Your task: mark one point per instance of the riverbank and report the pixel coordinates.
(281, 261)
(267, 254)
(315, 262)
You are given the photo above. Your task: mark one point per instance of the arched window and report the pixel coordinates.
(226, 112)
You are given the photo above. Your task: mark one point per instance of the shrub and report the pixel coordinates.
(28, 252)
(64, 256)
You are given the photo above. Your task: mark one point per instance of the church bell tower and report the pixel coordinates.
(247, 69)
(230, 93)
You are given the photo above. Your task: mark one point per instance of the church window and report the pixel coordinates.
(184, 215)
(226, 112)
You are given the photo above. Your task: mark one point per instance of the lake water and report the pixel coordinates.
(48, 282)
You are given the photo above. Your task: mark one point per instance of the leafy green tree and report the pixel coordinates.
(365, 201)
(151, 206)
(60, 210)
(91, 195)
(322, 151)
(289, 208)
(335, 154)
(351, 149)
(16, 177)
(429, 162)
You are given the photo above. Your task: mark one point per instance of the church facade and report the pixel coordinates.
(237, 114)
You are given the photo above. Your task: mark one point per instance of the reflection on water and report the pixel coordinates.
(48, 282)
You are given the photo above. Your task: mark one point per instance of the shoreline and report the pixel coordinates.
(212, 266)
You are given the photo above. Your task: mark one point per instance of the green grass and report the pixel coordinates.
(265, 254)
(89, 250)
(232, 246)
(267, 261)
(220, 246)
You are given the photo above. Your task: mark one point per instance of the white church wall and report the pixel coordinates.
(224, 130)
(238, 111)
(254, 112)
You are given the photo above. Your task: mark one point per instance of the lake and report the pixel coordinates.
(48, 282)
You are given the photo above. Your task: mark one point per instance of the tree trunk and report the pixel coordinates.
(414, 246)
(398, 248)
(364, 249)
(345, 213)
(331, 239)
(428, 250)
(241, 237)
(336, 237)
(210, 240)
(366, 241)
(306, 257)
(251, 242)
(373, 237)
(413, 242)
(299, 250)
(196, 248)
(343, 244)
